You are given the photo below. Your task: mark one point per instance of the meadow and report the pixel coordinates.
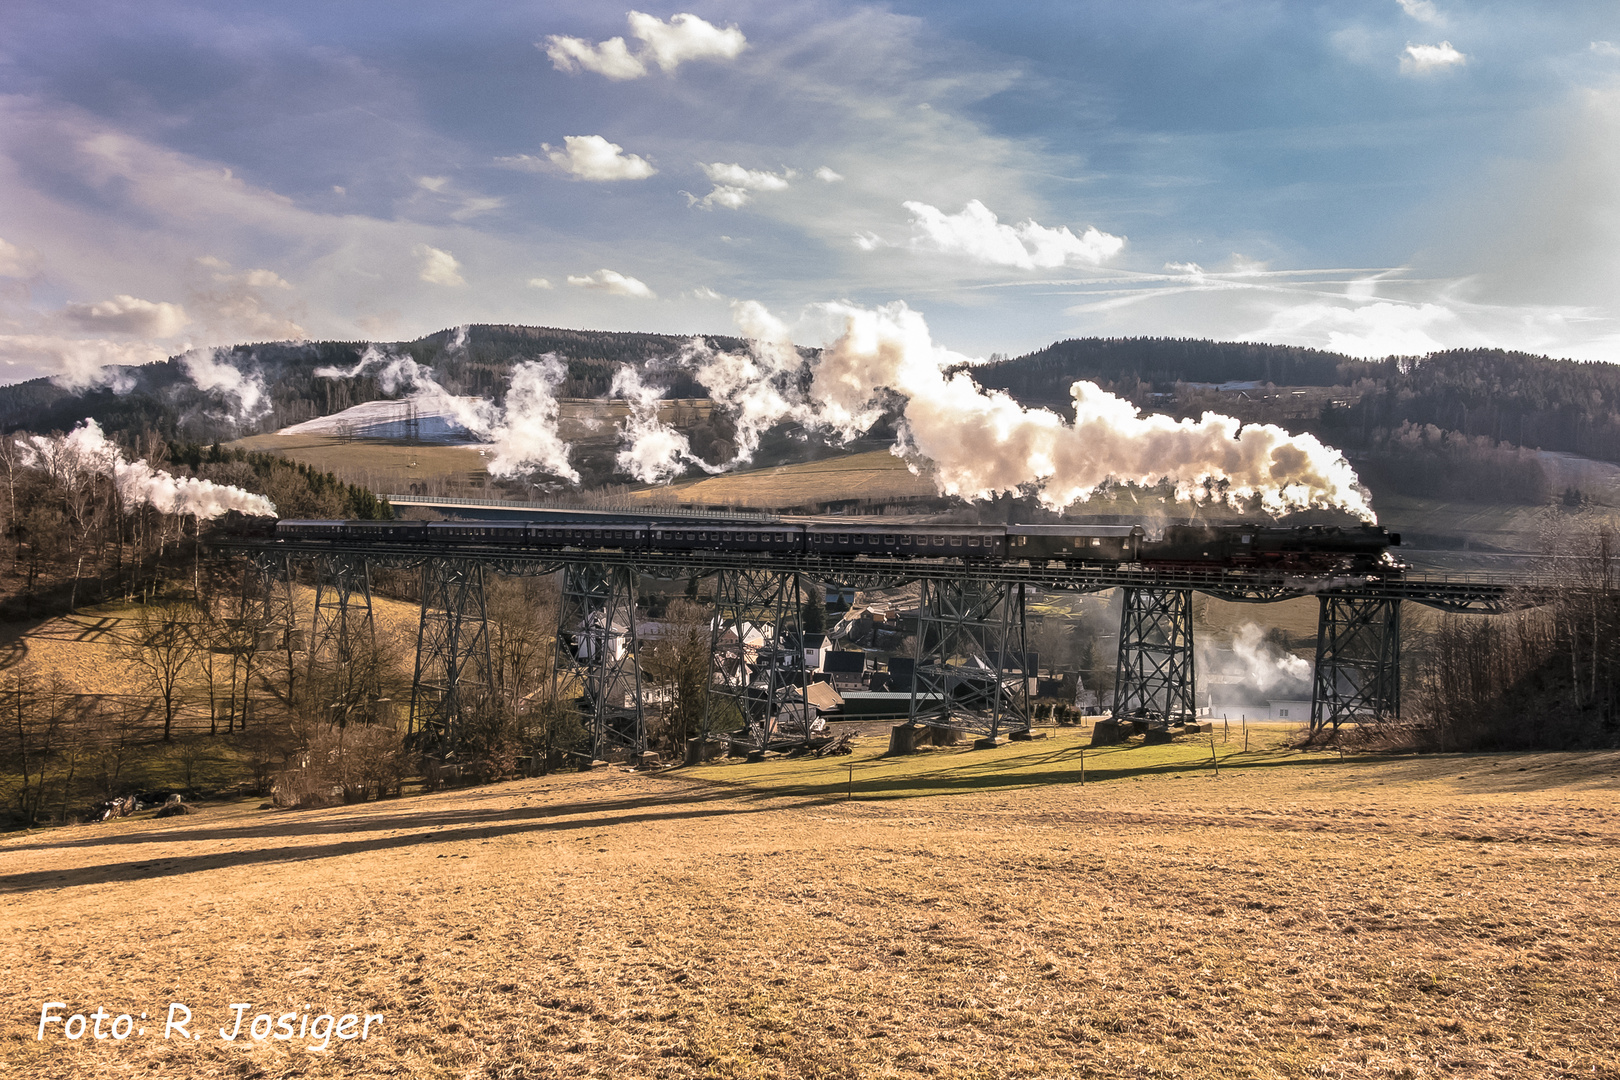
(958, 913)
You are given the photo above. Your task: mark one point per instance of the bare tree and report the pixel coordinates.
(162, 642)
(676, 666)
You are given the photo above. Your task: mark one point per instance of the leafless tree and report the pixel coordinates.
(161, 640)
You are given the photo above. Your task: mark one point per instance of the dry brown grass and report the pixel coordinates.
(386, 467)
(85, 648)
(1298, 916)
(876, 474)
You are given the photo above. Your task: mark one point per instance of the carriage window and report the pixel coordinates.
(956, 541)
(973, 541)
(889, 541)
(843, 538)
(905, 539)
(1096, 541)
(939, 541)
(753, 538)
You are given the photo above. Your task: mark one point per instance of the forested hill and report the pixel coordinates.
(1159, 363)
(1514, 397)
(160, 397)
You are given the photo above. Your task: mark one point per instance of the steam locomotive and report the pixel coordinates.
(1314, 549)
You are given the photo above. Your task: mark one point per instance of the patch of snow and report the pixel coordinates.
(404, 420)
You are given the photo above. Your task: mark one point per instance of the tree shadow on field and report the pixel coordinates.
(989, 775)
(372, 817)
(425, 828)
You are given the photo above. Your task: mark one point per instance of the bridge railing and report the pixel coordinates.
(612, 507)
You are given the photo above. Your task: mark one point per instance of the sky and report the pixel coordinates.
(1375, 177)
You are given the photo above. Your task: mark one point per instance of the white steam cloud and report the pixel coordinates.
(86, 450)
(649, 449)
(1266, 669)
(981, 443)
(523, 436)
(244, 393)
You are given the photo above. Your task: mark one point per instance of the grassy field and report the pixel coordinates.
(384, 466)
(965, 914)
(875, 474)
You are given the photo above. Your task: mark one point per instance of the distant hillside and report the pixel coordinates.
(1512, 397)
(1157, 364)
(161, 397)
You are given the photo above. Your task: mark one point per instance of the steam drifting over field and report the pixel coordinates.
(973, 443)
(523, 434)
(981, 443)
(86, 450)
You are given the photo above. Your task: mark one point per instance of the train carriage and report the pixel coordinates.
(853, 538)
(1074, 543)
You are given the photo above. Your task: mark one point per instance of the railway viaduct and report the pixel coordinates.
(971, 634)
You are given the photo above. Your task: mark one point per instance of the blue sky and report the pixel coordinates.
(1385, 176)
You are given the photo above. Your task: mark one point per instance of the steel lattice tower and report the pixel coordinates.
(1358, 661)
(1154, 677)
(972, 658)
(597, 663)
(343, 636)
(749, 682)
(453, 669)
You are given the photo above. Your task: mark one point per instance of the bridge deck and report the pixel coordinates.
(1484, 592)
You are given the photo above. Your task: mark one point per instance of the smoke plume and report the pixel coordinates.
(244, 393)
(86, 450)
(523, 435)
(1267, 670)
(980, 443)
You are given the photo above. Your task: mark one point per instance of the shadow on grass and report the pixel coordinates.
(426, 828)
(989, 775)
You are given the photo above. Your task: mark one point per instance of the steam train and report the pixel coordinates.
(1313, 549)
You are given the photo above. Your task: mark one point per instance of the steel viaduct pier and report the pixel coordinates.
(971, 633)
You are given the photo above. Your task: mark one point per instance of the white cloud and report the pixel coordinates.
(827, 176)
(667, 45)
(591, 157)
(438, 267)
(1422, 59)
(432, 183)
(734, 185)
(131, 315)
(1423, 11)
(1373, 330)
(703, 292)
(18, 262)
(540, 283)
(977, 234)
(1605, 48)
(685, 37)
(76, 363)
(264, 279)
(611, 281)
